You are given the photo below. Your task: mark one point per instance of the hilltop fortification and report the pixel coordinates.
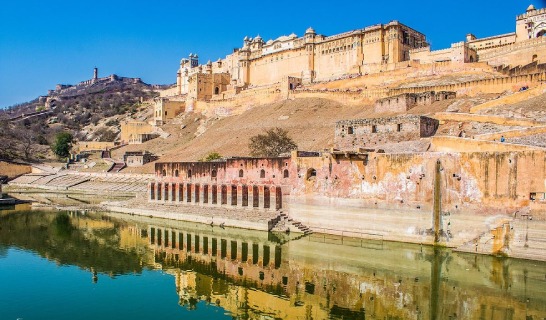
(295, 66)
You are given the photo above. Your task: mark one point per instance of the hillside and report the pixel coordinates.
(88, 112)
(310, 122)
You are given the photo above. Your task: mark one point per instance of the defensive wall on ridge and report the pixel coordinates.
(253, 97)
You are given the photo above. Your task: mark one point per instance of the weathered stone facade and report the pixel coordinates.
(311, 57)
(406, 101)
(138, 158)
(136, 132)
(368, 133)
(530, 27)
(166, 109)
(241, 182)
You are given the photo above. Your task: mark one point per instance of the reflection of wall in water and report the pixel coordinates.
(290, 287)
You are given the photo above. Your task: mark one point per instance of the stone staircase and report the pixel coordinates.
(117, 167)
(283, 223)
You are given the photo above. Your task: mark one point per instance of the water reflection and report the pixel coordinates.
(254, 274)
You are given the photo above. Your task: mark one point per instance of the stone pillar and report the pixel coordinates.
(201, 194)
(260, 254)
(250, 197)
(273, 198)
(192, 191)
(228, 195)
(239, 198)
(239, 250)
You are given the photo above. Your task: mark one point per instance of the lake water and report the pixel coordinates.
(81, 265)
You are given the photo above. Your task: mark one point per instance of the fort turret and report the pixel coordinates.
(194, 60)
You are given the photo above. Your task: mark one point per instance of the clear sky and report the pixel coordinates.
(43, 43)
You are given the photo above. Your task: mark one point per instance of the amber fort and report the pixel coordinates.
(419, 157)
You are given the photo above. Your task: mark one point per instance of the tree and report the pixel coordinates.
(62, 145)
(8, 142)
(212, 156)
(271, 144)
(26, 141)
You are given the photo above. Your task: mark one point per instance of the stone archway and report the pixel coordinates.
(541, 33)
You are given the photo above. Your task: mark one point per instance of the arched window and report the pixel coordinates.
(285, 173)
(176, 173)
(262, 173)
(216, 90)
(189, 173)
(241, 173)
(213, 173)
(311, 173)
(164, 173)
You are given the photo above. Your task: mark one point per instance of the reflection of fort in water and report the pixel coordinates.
(252, 274)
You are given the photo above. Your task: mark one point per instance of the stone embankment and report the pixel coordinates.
(94, 183)
(216, 216)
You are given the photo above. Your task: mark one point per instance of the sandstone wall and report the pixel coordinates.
(94, 145)
(131, 130)
(13, 170)
(485, 180)
(454, 144)
(353, 134)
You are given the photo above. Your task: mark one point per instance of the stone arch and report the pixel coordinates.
(223, 199)
(278, 198)
(189, 173)
(233, 195)
(262, 173)
(241, 173)
(255, 196)
(205, 193)
(267, 197)
(311, 173)
(214, 194)
(216, 90)
(541, 33)
(176, 173)
(244, 198)
(286, 173)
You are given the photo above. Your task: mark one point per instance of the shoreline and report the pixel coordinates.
(472, 232)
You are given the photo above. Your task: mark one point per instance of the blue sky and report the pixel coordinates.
(43, 43)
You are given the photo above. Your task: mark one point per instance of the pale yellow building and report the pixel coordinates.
(136, 132)
(530, 29)
(166, 109)
(88, 146)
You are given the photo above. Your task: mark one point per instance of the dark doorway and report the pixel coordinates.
(267, 197)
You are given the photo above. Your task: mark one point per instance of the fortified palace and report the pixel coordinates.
(274, 69)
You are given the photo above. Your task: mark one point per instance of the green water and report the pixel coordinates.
(81, 265)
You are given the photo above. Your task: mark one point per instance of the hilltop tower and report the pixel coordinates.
(95, 75)
(309, 38)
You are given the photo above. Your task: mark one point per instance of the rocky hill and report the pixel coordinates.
(89, 111)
